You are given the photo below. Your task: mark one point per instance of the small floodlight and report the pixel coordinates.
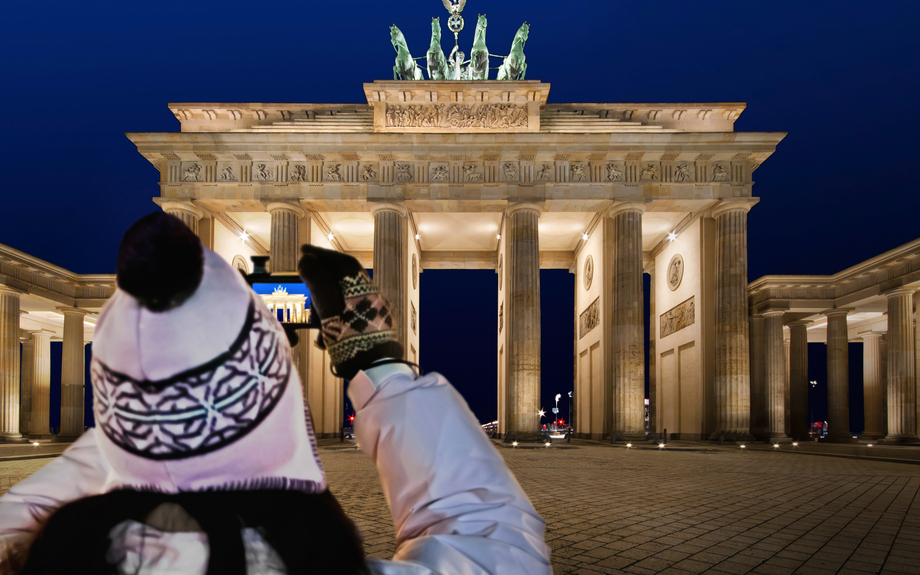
(514, 443)
(629, 445)
(498, 236)
(330, 236)
(870, 445)
(743, 446)
(416, 236)
(548, 443)
(35, 443)
(795, 444)
(660, 445)
(672, 236)
(243, 236)
(584, 237)
(776, 445)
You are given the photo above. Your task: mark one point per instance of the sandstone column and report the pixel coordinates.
(9, 363)
(285, 236)
(902, 385)
(390, 265)
(523, 377)
(798, 379)
(787, 396)
(733, 376)
(72, 370)
(758, 377)
(628, 333)
(41, 386)
(188, 212)
(838, 377)
(653, 404)
(25, 387)
(775, 356)
(875, 400)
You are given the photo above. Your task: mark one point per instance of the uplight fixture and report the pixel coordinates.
(548, 444)
(35, 443)
(584, 237)
(776, 445)
(330, 236)
(514, 444)
(541, 413)
(416, 236)
(629, 445)
(498, 236)
(795, 444)
(743, 446)
(672, 236)
(244, 236)
(660, 445)
(870, 445)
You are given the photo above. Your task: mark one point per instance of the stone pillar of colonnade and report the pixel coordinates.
(875, 396)
(9, 364)
(25, 387)
(838, 377)
(775, 365)
(522, 388)
(285, 236)
(628, 332)
(798, 380)
(185, 211)
(759, 400)
(40, 378)
(733, 375)
(72, 372)
(653, 406)
(390, 261)
(902, 384)
(787, 403)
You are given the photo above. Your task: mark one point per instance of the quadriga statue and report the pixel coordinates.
(515, 64)
(437, 63)
(479, 57)
(405, 68)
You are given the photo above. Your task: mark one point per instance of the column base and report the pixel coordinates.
(728, 437)
(37, 436)
(900, 440)
(872, 436)
(66, 438)
(777, 438)
(839, 439)
(18, 439)
(628, 437)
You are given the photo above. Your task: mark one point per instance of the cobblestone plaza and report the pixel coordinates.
(710, 510)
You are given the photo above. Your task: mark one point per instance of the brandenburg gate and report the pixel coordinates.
(485, 174)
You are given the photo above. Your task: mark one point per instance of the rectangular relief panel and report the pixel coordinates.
(589, 319)
(678, 317)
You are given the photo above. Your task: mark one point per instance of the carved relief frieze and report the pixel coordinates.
(678, 317)
(403, 173)
(510, 172)
(544, 173)
(472, 173)
(262, 173)
(650, 172)
(369, 173)
(297, 173)
(414, 272)
(577, 172)
(488, 116)
(413, 320)
(332, 172)
(589, 319)
(683, 172)
(501, 269)
(719, 172)
(228, 174)
(192, 173)
(501, 317)
(614, 171)
(438, 173)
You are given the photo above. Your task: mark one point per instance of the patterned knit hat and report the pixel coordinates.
(194, 387)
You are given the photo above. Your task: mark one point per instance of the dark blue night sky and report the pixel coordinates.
(840, 77)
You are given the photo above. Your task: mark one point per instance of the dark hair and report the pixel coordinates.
(310, 532)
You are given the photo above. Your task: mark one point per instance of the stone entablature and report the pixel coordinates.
(863, 283)
(31, 276)
(459, 102)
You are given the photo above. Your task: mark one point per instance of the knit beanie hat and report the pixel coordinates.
(194, 388)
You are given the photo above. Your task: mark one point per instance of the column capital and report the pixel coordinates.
(626, 207)
(73, 311)
(285, 206)
(899, 292)
(734, 204)
(772, 312)
(10, 290)
(802, 322)
(388, 206)
(180, 206)
(518, 206)
(870, 335)
(836, 311)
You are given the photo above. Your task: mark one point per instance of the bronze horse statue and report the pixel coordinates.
(479, 57)
(405, 68)
(437, 63)
(515, 64)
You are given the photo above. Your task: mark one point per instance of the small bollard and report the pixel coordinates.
(721, 440)
(613, 438)
(507, 438)
(664, 435)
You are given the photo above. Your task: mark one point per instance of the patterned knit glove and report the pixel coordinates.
(357, 326)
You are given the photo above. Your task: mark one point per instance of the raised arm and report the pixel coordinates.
(76, 473)
(455, 504)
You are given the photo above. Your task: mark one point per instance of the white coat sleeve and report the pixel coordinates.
(456, 506)
(78, 472)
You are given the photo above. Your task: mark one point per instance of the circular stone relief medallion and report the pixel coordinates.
(589, 271)
(675, 272)
(501, 268)
(414, 272)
